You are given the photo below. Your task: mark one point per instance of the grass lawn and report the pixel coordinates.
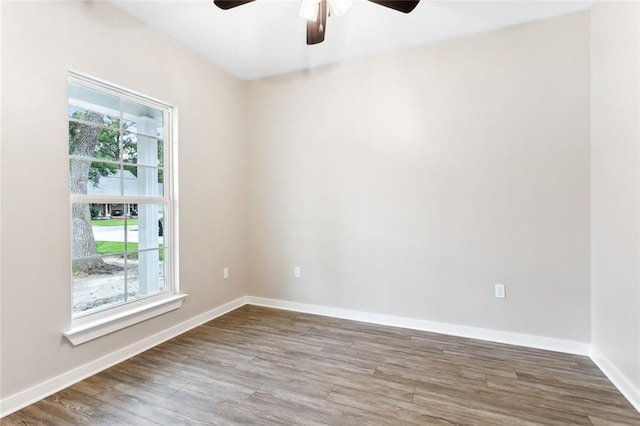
(114, 247)
(113, 222)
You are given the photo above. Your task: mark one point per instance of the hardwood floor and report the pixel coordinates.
(265, 366)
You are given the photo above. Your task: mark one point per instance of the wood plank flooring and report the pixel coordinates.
(264, 366)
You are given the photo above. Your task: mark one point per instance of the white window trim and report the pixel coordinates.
(89, 326)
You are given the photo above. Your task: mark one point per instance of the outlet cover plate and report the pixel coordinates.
(500, 291)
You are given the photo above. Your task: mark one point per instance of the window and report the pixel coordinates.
(122, 198)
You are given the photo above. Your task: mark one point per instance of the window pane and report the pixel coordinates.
(145, 273)
(98, 282)
(146, 119)
(145, 129)
(143, 150)
(99, 229)
(94, 177)
(143, 181)
(91, 115)
(86, 140)
(87, 104)
(148, 231)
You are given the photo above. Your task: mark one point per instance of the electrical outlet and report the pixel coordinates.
(500, 291)
(296, 272)
(225, 273)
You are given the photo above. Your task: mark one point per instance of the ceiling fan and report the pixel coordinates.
(316, 12)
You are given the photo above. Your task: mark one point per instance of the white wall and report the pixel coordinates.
(615, 192)
(408, 184)
(41, 41)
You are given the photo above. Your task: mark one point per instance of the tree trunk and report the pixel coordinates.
(84, 244)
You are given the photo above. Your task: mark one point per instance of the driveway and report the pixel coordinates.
(115, 233)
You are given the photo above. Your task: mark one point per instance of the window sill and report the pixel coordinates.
(103, 326)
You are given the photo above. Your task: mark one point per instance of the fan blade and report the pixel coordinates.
(316, 30)
(404, 6)
(229, 4)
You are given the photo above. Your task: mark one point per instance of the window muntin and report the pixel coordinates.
(118, 170)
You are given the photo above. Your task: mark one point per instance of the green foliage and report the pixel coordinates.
(113, 222)
(114, 247)
(94, 209)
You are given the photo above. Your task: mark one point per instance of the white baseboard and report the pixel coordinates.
(531, 341)
(619, 380)
(21, 399)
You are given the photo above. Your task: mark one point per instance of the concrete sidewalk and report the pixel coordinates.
(116, 233)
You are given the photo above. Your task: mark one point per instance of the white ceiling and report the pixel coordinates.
(267, 37)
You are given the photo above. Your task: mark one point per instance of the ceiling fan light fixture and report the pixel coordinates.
(316, 12)
(309, 9)
(339, 7)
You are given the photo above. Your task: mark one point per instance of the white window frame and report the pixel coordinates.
(86, 326)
